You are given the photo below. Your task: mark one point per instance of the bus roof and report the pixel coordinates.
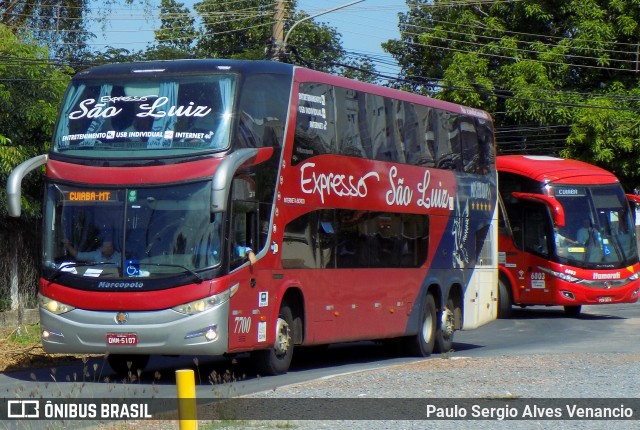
(185, 67)
(246, 67)
(554, 170)
(303, 74)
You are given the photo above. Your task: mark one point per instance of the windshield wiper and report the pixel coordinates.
(180, 266)
(68, 265)
(64, 266)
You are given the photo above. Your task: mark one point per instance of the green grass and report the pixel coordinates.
(25, 335)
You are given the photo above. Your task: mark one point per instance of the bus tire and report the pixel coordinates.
(422, 344)
(276, 360)
(127, 365)
(572, 311)
(446, 328)
(504, 300)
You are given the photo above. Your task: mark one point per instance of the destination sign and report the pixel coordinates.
(91, 196)
(569, 191)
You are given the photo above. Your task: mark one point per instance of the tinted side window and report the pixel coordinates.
(315, 122)
(355, 239)
(262, 111)
(469, 145)
(350, 136)
(536, 229)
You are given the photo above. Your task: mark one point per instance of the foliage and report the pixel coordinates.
(566, 69)
(59, 25)
(31, 87)
(244, 30)
(177, 32)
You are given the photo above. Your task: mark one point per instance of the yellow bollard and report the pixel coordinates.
(186, 389)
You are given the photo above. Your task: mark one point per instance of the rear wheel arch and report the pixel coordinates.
(288, 331)
(294, 298)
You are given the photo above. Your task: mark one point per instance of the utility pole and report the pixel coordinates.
(278, 31)
(279, 42)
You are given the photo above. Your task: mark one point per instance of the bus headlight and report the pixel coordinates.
(564, 276)
(202, 305)
(53, 306)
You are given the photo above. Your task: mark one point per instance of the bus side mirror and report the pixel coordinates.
(14, 183)
(221, 181)
(227, 169)
(633, 198)
(557, 211)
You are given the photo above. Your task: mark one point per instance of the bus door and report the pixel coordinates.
(248, 306)
(538, 245)
(525, 244)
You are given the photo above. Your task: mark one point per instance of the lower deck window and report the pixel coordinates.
(355, 239)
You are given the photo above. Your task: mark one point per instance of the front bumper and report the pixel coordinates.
(157, 332)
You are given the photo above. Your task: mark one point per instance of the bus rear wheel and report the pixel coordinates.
(422, 344)
(276, 360)
(446, 329)
(127, 365)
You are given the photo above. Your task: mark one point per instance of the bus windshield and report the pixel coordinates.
(134, 232)
(138, 117)
(599, 230)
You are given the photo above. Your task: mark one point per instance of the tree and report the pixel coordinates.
(177, 33)
(557, 68)
(239, 29)
(31, 86)
(244, 30)
(60, 25)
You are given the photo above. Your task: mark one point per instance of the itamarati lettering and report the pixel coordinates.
(121, 285)
(606, 275)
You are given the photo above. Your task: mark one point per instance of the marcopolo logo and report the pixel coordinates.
(121, 285)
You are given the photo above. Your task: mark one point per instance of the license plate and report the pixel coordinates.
(128, 339)
(604, 299)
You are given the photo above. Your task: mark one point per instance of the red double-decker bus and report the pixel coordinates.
(567, 235)
(208, 207)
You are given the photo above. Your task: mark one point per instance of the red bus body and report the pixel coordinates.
(545, 200)
(348, 246)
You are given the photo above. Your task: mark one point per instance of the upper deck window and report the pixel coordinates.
(142, 118)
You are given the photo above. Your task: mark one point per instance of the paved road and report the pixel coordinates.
(531, 331)
(540, 330)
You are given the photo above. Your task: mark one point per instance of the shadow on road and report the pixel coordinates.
(558, 313)
(211, 370)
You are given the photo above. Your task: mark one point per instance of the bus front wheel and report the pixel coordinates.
(422, 344)
(276, 360)
(504, 300)
(572, 311)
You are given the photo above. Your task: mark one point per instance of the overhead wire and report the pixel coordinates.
(388, 61)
